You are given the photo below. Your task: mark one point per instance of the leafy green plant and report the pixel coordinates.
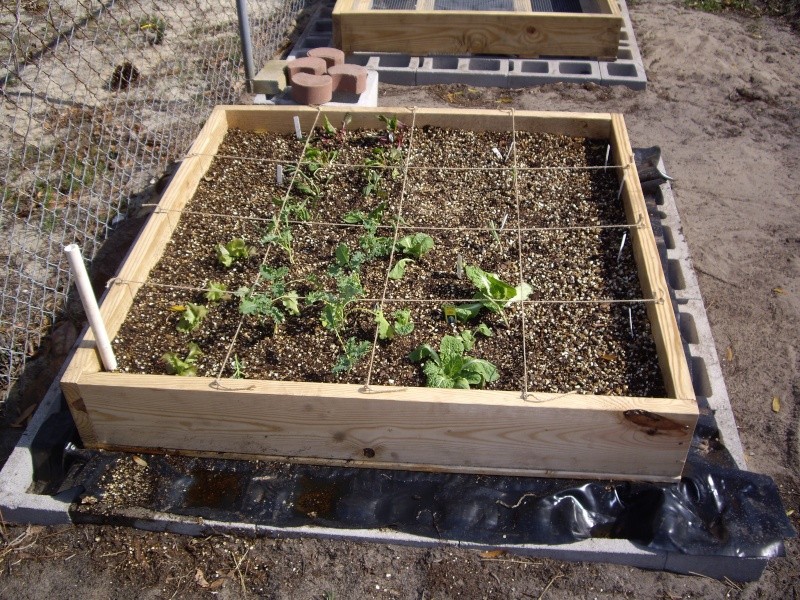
(191, 318)
(399, 268)
(186, 366)
(374, 185)
(217, 292)
(450, 367)
(492, 293)
(272, 300)
(469, 336)
(233, 251)
(416, 245)
(395, 129)
(372, 245)
(279, 233)
(401, 324)
(354, 351)
(238, 367)
(337, 306)
(293, 209)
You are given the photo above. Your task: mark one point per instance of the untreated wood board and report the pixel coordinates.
(518, 31)
(477, 431)
(441, 429)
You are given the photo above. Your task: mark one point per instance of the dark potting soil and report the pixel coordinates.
(457, 190)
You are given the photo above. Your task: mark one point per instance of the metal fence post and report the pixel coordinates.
(247, 42)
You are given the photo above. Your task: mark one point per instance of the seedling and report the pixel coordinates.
(373, 246)
(354, 351)
(336, 308)
(374, 185)
(398, 271)
(450, 367)
(274, 301)
(191, 318)
(330, 131)
(186, 366)
(238, 367)
(217, 292)
(401, 324)
(233, 251)
(416, 245)
(493, 294)
(395, 129)
(469, 336)
(279, 233)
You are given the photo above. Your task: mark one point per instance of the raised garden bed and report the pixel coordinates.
(526, 28)
(306, 354)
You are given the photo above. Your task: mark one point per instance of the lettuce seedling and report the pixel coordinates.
(192, 315)
(401, 324)
(217, 292)
(416, 245)
(185, 366)
(450, 367)
(229, 253)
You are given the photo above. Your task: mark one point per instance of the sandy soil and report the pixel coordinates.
(724, 103)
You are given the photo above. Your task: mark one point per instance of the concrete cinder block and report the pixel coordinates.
(478, 71)
(369, 97)
(628, 69)
(271, 79)
(401, 69)
(398, 69)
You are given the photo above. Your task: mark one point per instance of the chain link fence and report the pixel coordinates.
(98, 98)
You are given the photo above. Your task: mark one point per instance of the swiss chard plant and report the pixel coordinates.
(450, 367)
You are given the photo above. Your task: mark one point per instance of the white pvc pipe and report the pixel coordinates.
(89, 302)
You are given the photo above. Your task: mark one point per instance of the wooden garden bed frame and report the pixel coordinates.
(559, 435)
(357, 27)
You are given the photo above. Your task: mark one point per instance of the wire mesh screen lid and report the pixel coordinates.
(558, 6)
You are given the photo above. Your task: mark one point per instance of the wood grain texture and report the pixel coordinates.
(526, 35)
(479, 430)
(280, 119)
(475, 431)
(530, 35)
(666, 334)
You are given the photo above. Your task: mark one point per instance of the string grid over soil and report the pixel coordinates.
(521, 205)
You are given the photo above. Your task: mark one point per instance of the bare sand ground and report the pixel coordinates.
(724, 104)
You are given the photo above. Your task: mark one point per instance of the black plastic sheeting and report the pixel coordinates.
(714, 510)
